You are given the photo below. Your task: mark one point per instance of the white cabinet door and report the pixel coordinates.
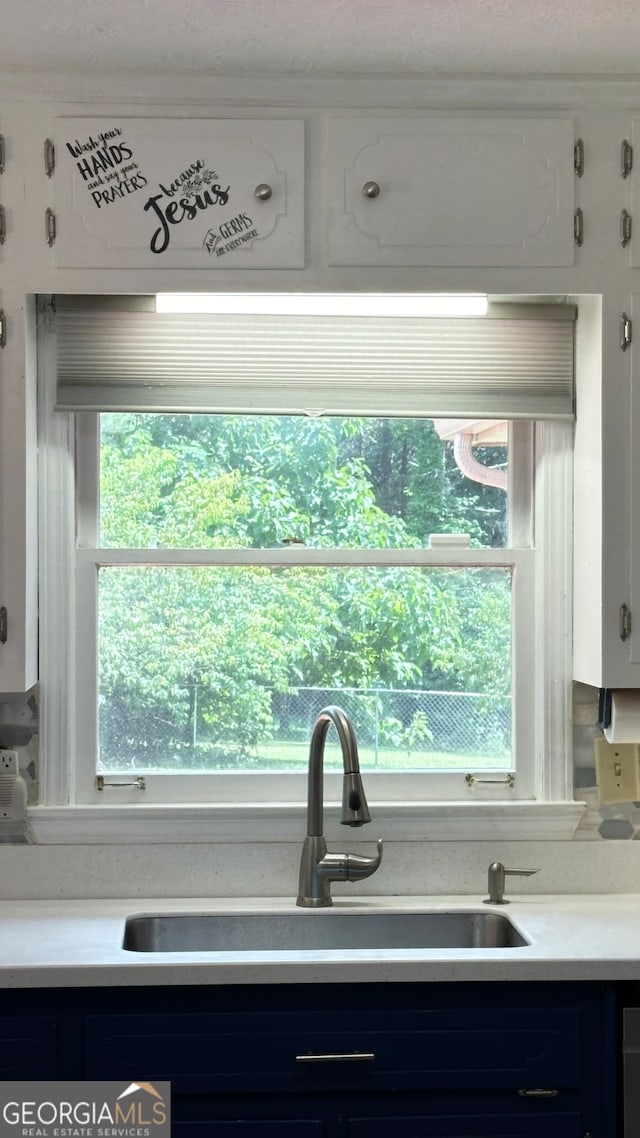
(451, 191)
(179, 193)
(617, 554)
(606, 497)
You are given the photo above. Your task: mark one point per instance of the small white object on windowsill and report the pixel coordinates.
(459, 540)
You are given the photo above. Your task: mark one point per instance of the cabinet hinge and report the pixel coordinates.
(625, 622)
(578, 157)
(578, 226)
(626, 331)
(2, 154)
(3, 329)
(50, 226)
(3, 225)
(49, 157)
(626, 226)
(626, 158)
(3, 625)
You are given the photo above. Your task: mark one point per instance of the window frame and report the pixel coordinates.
(273, 804)
(172, 787)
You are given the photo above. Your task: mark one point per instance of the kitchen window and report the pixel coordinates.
(219, 572)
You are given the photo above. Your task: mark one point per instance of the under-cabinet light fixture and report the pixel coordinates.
(324, 303)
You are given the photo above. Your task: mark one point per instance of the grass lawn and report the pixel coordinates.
(289, 756)
(294, 756)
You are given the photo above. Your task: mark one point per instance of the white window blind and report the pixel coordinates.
(119, 354)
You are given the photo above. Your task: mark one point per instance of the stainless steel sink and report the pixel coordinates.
(307, 931)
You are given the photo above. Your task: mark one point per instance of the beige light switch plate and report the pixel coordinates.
(617, 771)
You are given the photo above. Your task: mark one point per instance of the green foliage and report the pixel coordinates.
(203, 648)
(407, 737)
(484, 652)
(414, 477)
(169, 636)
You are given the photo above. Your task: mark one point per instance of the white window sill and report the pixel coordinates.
(418, 821)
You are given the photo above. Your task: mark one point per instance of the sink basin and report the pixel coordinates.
(309, 931)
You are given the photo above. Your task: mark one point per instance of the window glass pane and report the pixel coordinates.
(215, 481)
(218, 669)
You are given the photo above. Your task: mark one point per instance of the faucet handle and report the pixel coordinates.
(358, 866)
(497, 874)
(348, 866)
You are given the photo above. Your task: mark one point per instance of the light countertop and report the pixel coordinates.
(79, 943)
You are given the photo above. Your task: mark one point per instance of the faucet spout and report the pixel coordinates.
(318, 867)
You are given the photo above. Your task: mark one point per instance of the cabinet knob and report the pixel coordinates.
(371, 189)
(263, 192)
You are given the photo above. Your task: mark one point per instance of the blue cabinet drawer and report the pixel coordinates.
(429, 1049)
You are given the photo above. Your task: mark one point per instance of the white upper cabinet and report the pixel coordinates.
(178, 193)
(445, 191)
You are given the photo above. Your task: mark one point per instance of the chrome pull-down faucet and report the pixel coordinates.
(318, 867)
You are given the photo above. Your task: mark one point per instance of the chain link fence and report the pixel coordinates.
(395, 728)
(410, 721)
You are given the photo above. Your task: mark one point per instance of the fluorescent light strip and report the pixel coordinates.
(324, 304)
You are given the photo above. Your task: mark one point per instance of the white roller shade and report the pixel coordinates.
(119, 354)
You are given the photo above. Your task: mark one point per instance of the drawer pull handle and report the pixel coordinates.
(347, 1057)
(539, 1092)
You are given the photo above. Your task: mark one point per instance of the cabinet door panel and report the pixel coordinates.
(28, 1048)
(452, 191)
(480, 1125)
(247, 1128)
(179, 193)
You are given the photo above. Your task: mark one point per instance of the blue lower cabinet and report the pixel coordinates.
(510, 1060)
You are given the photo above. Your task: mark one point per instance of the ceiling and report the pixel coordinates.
(324, 37)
